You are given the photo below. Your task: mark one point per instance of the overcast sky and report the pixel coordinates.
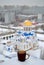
(22, 2)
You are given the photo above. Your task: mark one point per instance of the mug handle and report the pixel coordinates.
(27, 55)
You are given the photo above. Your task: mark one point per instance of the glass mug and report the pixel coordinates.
(22, 55)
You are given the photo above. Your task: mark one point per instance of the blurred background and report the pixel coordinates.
(17, 11)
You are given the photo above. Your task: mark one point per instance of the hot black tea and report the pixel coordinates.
(21, 55)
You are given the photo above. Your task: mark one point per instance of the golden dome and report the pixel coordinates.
(27, 23)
